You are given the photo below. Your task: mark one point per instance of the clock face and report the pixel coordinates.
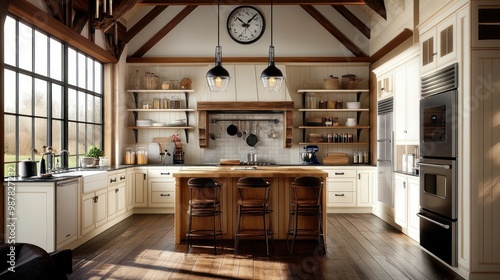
(245, 24)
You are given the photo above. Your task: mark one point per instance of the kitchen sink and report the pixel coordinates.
(92, 179)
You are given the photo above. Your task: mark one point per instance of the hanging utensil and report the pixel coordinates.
(252, 139)
(239, 133)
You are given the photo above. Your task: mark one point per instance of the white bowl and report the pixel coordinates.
(145, 122)
(348, 123)
(159, 124)
(353, 105)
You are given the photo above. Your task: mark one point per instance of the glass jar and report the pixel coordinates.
(156, 103)
(142, 155)
(312, 101)
(130, 155)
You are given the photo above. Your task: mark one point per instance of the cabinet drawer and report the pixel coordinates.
(340, 199)
(163, 197)
(163, 186)
(341, 186)
(162, 172)
(342, 173)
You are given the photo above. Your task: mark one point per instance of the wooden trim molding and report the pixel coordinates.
(398, 40)
(31, 14)
(210, 60)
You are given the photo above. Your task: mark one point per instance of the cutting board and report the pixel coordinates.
(335, 159)
(229, 162)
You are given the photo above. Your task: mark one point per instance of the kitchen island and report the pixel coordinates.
(280, 179)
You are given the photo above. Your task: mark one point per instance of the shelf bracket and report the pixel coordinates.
(136, 134)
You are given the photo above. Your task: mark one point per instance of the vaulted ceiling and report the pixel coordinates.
(77, 14)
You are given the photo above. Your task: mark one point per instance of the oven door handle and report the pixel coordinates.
(445, 166)
(432, 221)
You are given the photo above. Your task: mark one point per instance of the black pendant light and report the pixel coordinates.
(218, 77)
(271, 77)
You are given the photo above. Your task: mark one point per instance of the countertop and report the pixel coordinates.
(242, 171)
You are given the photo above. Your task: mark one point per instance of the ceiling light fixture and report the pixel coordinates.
(218, 77)
(271, 77)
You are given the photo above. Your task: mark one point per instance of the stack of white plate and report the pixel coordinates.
(158, 124)
(181, 122)
(145, 122)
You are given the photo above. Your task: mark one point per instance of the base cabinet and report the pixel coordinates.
(407, 204)
(94, 210)
(161, 188)
(349, 189)
(117, 182)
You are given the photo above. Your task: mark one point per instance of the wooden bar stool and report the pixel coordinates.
(305, 201)
(254, 201)
(204, 202)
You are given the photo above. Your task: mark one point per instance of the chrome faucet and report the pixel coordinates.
(57, 167)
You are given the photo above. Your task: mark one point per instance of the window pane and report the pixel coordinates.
(26, 136)
(90, 108)
(10, 145)
(40, 98)
(41, 53)
(90, 74)
(71, 66)
(81, 139)
(81, 106)
(25, 94)
(57, 136)
(97, 110)
(10, 41)
(9, 91)
(98, 77)
(72, 138)
(82, 65)
(56, 60)
(25, 47)
(57, 101)
(40, 133)
(72, 106)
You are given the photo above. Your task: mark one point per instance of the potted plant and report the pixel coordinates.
(95, 152)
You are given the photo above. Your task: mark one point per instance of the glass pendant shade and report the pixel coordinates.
(271, 77)
(218, 77)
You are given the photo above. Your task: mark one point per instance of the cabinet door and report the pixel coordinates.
(400, 105)
(364, 189)
(428, 53)
(140, 189)
(446, 41)
(161, 192)
(101, 207)
(121, 200)
(88, 220)
(112, 193)
(412, 99)
(400, 203)
(129, 196)
(413, 207)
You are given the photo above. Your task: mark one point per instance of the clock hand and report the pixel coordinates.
(240, 20)
(251, 18)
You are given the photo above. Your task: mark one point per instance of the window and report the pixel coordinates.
(53, 97)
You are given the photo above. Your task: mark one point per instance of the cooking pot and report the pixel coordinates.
(27, 168)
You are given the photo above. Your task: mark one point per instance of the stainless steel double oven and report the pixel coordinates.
(438, 164)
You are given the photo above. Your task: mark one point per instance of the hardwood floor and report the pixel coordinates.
(359, 246)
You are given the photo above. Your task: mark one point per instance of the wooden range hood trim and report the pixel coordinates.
(204, 109)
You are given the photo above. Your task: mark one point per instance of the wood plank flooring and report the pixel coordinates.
(359, 246)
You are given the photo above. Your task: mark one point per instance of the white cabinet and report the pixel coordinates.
(161, 187)
(349, 188)
(406, 103)
(94, 210)
(31, 214)
(407, 204)
(438, 45)
(384, 86)
(364, 188)
(140, 186)
(400, 200)
(117, 181)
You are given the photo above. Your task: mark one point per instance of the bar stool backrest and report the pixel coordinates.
(307, 189)
(248, 188)
(203, 189)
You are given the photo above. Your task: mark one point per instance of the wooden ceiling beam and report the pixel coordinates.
(164, 31)
(80, 20)
(250, 2)
(143, 22)
(119, 11)
(54, 7)
(210, 60)
(378, 7)
(334, 31)
(358, 24)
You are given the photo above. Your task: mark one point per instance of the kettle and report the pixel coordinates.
(27, 168)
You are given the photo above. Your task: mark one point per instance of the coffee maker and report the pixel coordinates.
(309, 155)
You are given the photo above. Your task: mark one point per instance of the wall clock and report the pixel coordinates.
(245, 24)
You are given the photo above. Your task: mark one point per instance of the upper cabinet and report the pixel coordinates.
(438, 45)
(486, 24)
(406, 103)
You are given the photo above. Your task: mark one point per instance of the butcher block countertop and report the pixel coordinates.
(280, 178)
(244, 171)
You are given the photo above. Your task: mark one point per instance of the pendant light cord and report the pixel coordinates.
(271, 22)
(218, 22)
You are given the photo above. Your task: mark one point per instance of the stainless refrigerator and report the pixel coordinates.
(385, 147)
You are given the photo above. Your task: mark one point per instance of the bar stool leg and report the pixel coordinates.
(236, 239)
(189, 229)
(296, 227)
(265, 230)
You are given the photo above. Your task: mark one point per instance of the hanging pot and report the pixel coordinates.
(252, 138)
(232, 129)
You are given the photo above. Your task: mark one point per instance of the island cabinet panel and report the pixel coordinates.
(280, 178)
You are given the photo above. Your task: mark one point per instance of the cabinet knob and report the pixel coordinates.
(95, 199)
(116, 190)
(112, 180)
(122, 178)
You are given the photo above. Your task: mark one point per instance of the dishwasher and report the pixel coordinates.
(66, 211)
